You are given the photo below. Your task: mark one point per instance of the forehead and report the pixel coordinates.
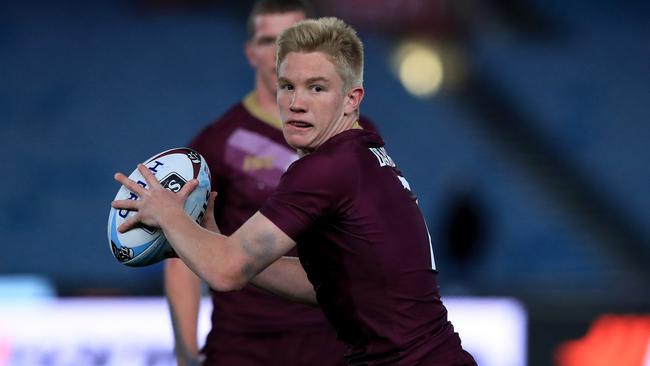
(274, 23)
(308, 65)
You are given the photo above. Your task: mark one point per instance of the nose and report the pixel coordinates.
(297, 102)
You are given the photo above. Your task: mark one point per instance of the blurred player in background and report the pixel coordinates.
(247, 154)
(365, 254)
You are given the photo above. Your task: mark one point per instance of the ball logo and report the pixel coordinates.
(174, 186)
(194, 157)
(173, 182)
(121, 253)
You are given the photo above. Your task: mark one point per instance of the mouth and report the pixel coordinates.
(299, 124)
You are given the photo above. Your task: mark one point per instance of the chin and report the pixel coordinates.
(289, 137)
(296, 145)
(291, 141)
(299, 140)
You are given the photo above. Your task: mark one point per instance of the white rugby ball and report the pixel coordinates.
(142, 246)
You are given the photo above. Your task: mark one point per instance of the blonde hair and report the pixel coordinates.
(330, 36)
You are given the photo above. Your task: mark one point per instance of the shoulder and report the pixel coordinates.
(335, 163)
(219, 130)
(367, 124)
(314, 169)
(211, 140)
(227, 121)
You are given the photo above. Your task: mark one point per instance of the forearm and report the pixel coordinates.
(183, 290)
(225, 263)
(287, 278)
(251, 254)
(210, 255)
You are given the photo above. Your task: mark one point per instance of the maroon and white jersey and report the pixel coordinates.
(247, 154)
(366, 249)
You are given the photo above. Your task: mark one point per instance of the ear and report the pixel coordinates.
(248, 51)
(353, 100)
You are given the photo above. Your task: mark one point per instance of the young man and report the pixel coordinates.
(247, 154)
(365, 255)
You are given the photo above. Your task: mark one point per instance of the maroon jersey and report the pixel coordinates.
(247, 154)
(366, 249)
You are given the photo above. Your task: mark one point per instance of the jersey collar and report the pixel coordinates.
(251, 105)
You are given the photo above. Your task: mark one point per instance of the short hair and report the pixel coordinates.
(276, 7)
(330, 36)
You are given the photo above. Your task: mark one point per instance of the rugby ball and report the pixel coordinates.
(142, 246)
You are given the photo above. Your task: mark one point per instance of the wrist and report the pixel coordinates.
(188, 357)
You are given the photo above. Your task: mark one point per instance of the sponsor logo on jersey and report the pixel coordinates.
(254, 162)
(382, 156)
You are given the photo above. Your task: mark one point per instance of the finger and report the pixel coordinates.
(131, 205)
(209, 211)
(188, 188)
(208, 220)
(129, 223)
(129, 184)
(148, 176)
(211, 199)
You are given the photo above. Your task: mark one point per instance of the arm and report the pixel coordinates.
(225, 263)
(286, 278)
(183, 291)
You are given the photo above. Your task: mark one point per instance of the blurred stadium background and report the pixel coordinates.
(523, 126)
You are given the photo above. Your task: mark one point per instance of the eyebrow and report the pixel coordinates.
(266, 39)
(316, 79)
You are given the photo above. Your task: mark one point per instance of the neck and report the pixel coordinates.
(349, 122)
(266, 100)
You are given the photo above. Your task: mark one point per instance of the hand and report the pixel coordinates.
(208, 221)
(190, 360)
(152, 203)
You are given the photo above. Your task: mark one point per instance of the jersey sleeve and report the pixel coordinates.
(311, 189)
(367, 124)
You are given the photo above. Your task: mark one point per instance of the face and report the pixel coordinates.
(312, 102)
(260, 49)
